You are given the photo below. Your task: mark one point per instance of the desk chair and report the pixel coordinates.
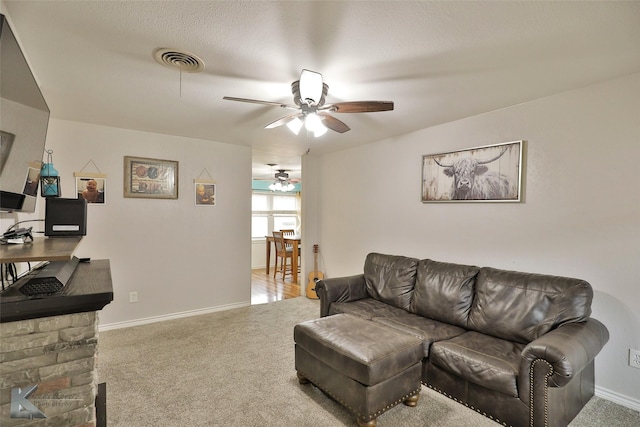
(283, 252)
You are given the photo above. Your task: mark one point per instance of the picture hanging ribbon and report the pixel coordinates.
(84, 174)
(204, 181)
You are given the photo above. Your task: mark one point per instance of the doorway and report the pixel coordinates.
(273, 210)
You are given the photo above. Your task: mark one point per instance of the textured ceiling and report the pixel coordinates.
(438, 61)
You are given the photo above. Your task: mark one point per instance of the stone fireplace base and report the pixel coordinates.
(57, 355)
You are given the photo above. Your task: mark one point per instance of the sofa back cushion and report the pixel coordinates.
(390, 278)
(521, 307)
(444, 291)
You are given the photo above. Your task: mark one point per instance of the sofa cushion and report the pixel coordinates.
(524, 306)
(428, 330)
(481, 359)
(444, 291)
(366, 308)
(390, 278)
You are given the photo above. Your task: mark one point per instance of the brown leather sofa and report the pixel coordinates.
(516, 347)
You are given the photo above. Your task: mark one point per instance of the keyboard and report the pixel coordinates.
(44, 286)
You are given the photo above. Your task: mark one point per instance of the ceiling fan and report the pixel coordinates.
(280, 181)
(309, 96)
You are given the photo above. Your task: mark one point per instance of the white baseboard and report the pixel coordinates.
(171, 316)
(618, 398)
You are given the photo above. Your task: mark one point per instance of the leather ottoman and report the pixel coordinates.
(367, 367)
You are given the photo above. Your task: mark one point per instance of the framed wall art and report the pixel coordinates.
(491, 173)
(205, 189)
(205, 192)
(150, 178)
(33, 179)
(91, 187)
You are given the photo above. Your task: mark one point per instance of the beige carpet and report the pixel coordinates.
(236, 368)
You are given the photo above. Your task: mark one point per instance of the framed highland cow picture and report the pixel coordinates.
(491, 173)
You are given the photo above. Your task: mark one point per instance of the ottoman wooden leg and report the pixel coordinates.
(302, 379)
(412, 401)
(370, 423)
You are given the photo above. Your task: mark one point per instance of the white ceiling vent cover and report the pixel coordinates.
(178, 60)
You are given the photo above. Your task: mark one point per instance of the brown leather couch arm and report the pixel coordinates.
(567, 350)
(340, 289)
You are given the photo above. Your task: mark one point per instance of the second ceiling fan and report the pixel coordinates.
(309, 96)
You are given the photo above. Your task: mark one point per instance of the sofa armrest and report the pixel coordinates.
(340, 289)
(567, 350)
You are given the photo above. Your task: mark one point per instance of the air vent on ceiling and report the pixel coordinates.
(179, 60)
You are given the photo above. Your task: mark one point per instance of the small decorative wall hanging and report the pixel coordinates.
(492, 173)
(33, 179)
(49, 178)
(90, 186)
(205, 190)
(150, 178)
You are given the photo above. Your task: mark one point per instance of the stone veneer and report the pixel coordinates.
(58, 354)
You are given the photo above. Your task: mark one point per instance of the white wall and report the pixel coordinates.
(580, 216)
(178, 257)
(259, 254)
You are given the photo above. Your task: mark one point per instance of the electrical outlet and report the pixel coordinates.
(133, 296)
(634, 358)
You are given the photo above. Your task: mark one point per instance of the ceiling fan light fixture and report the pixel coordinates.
(281, 182)
(295, 125)
(319, 131)
(310, 87)
(282, 186)
(313, 123)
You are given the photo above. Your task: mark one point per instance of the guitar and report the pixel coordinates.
(314, 276)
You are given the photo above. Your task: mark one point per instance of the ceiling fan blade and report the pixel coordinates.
(359, 106)
(283, 121)
(333, 123)
(256, 101)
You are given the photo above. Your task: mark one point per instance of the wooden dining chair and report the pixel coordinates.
(285, 232)
(283, 252)
(288, 232)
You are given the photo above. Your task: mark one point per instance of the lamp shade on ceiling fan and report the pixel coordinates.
(310, 87)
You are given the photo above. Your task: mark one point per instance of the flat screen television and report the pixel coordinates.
(23, 126)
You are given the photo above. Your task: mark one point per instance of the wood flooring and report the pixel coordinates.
(264, 288)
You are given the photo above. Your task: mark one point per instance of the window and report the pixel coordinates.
(273, 212)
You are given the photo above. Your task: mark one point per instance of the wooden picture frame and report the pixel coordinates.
(491, 173)
(150, 178)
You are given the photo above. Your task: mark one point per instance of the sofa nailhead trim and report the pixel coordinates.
(545, 388)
